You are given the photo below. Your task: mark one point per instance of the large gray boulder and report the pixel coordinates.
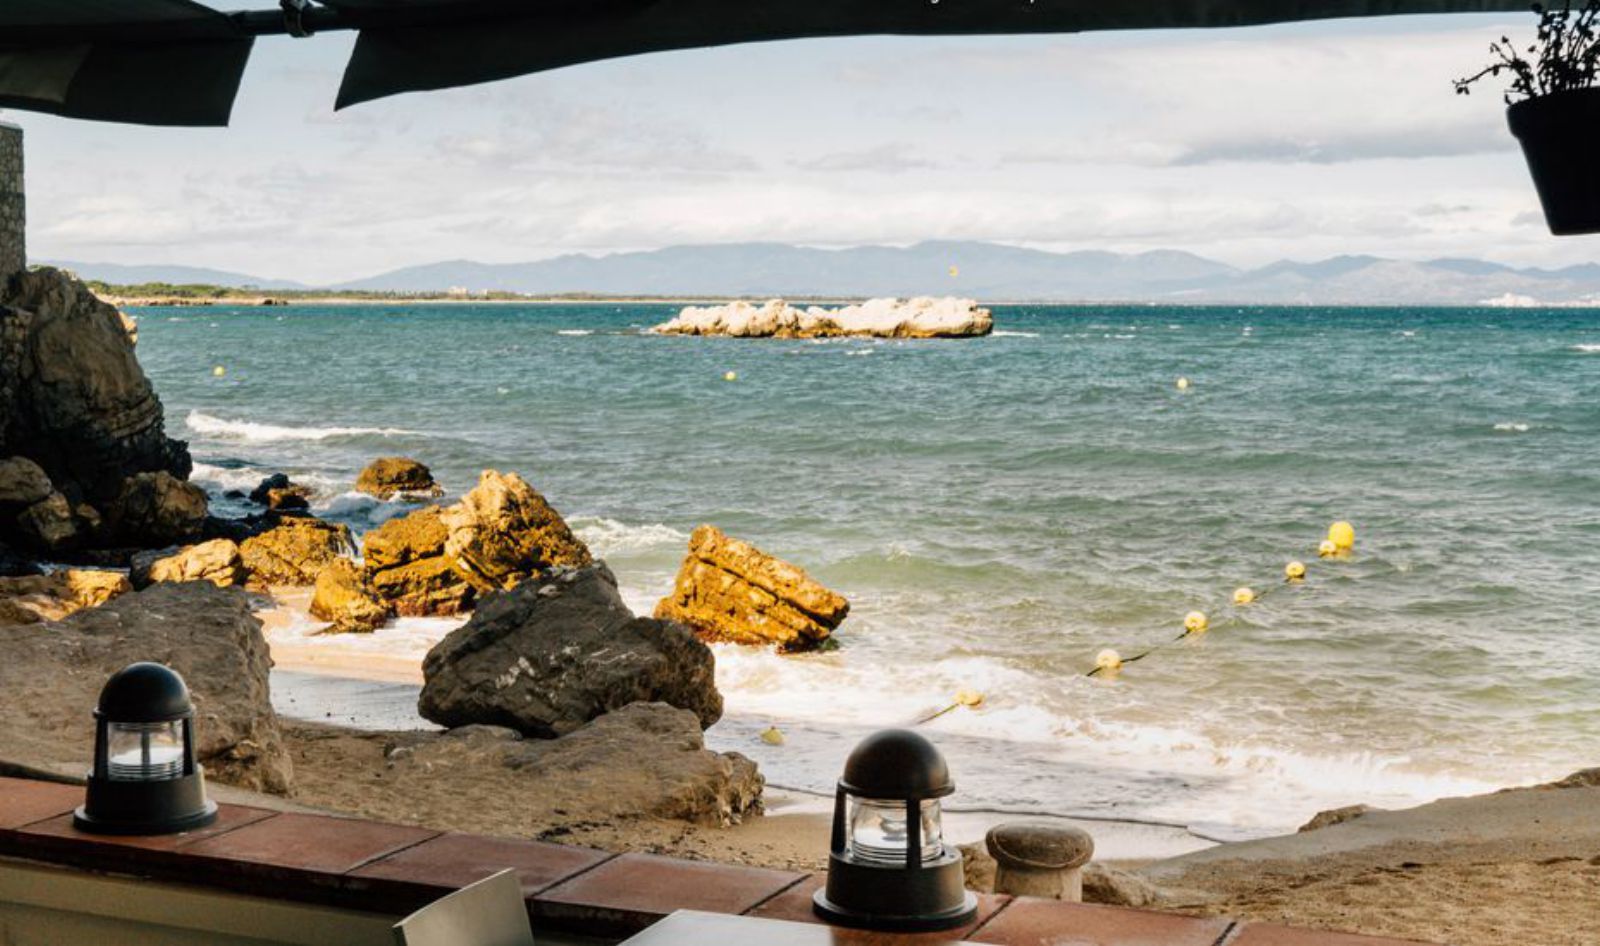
(644, 760)
(558, 651)
(51, 674)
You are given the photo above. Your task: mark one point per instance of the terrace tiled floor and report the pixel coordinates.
(365, 865)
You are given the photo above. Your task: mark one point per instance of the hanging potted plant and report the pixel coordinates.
(1554, 111)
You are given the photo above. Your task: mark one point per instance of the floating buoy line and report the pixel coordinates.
(1341, 539)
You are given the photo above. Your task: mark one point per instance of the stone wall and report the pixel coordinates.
(13, 249)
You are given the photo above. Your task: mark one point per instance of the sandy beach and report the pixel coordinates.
(1521, 866)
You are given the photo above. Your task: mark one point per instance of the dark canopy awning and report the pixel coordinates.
(157, 62)
(177, 62)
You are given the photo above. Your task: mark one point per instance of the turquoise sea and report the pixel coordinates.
(999, 510)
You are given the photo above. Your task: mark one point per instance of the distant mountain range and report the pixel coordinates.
(986, 271)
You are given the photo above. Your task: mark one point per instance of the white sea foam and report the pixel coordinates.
(1588, 348)
(1002, 334)
(610, 537)
(251, 432)
(574, 331)
(1509, 427)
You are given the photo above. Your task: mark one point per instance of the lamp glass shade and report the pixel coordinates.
(878, 831)
(144, 752)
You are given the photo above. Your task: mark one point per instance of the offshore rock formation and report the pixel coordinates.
(554, 653)
(922, 317)
(52, 674)
(387, 477)
(72, 396)
(729, 590)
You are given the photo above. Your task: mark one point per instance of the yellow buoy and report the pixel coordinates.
(1294, 571)
(218, 371)
(731, 376)
(772, 736)
(1342, 535)
(954, 272)
(1243, 595)
(967, 697)
(1108, 660)
(1196, 622)
(1183, 384)
(1327, 549)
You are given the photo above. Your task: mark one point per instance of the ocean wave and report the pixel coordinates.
(1508, 427)
(249, 431)
(574, 331)
(1587, 348)
(997, 333)
(608, 536)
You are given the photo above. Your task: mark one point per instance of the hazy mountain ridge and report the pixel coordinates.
(986, 271)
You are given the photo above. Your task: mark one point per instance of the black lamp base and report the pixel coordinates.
(128, 808)
(895, 899)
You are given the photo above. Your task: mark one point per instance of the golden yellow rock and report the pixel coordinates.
(1243, 595)
(1342, 535)
(35, 598)
(1294, 571)
(346, 601)
(503, 532)
(295, 551)
(1196, 622)
(218, 561)
(772, 736)
(729, 590)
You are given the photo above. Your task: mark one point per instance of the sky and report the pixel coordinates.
(1246, 145)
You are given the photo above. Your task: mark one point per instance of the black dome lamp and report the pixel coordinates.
(145, 779)
(889, 868)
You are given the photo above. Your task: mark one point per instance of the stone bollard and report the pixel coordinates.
(13, 248)
(1039, 859)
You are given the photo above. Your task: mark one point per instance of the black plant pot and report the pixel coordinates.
(1560, 137)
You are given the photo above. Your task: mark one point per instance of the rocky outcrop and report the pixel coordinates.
(406, 539)
(554, 653)
(52, 597)
(643, 760)
(345, 600)
(729, 590)
(48, 525)
(881, 318)
(157, 509)
(407, 568)
(23, 482)
(51, 674)
(388, 477)
(295, 551)
(72, 396)
(503, 532)
(218, 561)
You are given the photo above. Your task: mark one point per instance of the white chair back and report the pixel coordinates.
(487, 913)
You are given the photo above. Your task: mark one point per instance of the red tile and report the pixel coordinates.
(307, 843)
(24, 801)
(449, 862)
(1029, 922)
(58, 836)
(794, 904)
(1271, 934)
(631, 891)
